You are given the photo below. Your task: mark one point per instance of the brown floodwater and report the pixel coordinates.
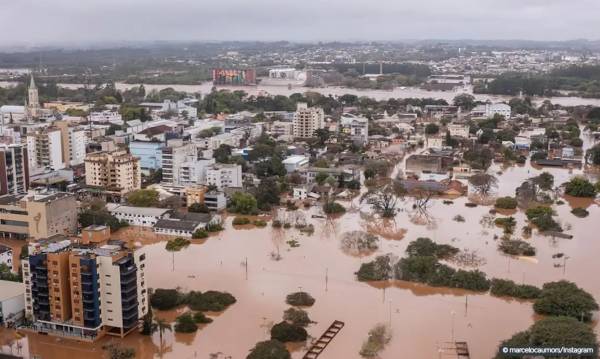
(422, 318)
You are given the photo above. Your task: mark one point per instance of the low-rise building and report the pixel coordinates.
(38, 215)
(215, 200)
(138, 216)
(458, 130)
(12, 303)
(195, 195)
(427, 163)
(184, 225)
(490, 110)
(356, 127)
(294, 163)
(346, 173)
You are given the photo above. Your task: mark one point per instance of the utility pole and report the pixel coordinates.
(326, 278)
(246, 268)
(565, 264)
(453, 313)
(390, 314)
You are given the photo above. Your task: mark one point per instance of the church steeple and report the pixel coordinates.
(33, 100)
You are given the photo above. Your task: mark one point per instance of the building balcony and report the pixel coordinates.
(130, 306)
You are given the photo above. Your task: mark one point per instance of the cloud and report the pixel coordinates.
(40, 22)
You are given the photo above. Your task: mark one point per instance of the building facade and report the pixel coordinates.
(14, 169)
(224, 175)
(85, 290)
(38, 215)
(307, 120)
(73, 142)
(116, 171)
(45, 150)
(149, 153)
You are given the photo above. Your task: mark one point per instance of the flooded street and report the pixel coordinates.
(422, 318)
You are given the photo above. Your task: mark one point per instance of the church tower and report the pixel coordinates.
(33, 101)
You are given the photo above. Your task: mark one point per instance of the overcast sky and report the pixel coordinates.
(40, 22)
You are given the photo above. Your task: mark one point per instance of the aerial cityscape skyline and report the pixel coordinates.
(299, 180)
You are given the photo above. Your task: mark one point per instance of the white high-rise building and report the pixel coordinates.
(224, 176)
(45, 150)
(73, 143)
(307, 120)
(14, 169)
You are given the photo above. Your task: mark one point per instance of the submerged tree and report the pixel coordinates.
(483, 183)
(384, 200)
(378, 338)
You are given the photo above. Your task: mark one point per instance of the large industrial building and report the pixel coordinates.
(234, 77)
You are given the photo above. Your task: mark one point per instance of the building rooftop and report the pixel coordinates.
(142, 211)
(177, 224)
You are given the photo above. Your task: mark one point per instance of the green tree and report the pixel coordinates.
(185, 323)
(286, 332)
(564, 298)
(321, 177)
(553, 332)
(243, 203)
(198, 208)
(465, 101)
(165, 299)
(580, 187)
(143, 198)
(222, 153)
(270, 349)
(544, 181)
(296, 316)
(267, 194)
(593, 155)
(323, 135)
(432, 129)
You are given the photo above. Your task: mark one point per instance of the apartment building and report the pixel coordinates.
(116, 171)
(150, 154)
(38, 215)
(14, 169)
(73, 141)
(307, 120)
(355, 127)
(182, 164)
(280, 128)
(458, 130)
(224, 175)
(212, 143)
(490, 110)
(87, 288)
(45, 150)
